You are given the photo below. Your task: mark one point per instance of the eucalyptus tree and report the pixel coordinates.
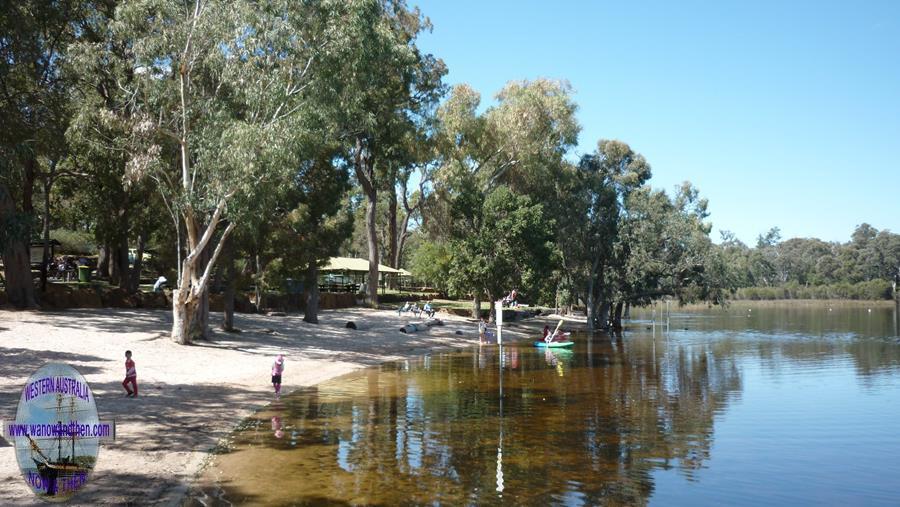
(34, 35)
(387, 87)
(663, 249)
(603, 184)
(764, 256)
(519, 143)
(415, 164)
(107, 140)
(430, 262)
(218, 90)
(511, 246)
(736, 255)
(317, 221)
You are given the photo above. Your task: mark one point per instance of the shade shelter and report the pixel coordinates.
(358, 269)
(37, 251)
(406, 278)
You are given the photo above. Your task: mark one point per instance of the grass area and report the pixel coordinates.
(466, 304)
(458, 304)
(405, 292)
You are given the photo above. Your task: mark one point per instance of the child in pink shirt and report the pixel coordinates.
(130, 376)
(277, 370)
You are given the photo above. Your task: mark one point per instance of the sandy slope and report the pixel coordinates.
(190, 396)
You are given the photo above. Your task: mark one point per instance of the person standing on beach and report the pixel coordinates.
(277, 370)
(130, 376)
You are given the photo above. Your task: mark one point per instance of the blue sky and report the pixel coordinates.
(782, 113)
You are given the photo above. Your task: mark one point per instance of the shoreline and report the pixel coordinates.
(852, 303)
(192, 396)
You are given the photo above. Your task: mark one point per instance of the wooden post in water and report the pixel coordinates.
(896, 303)
(667, 315)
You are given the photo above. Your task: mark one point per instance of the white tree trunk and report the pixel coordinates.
(182, 314)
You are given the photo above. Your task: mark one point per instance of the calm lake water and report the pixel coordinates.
(782, 405)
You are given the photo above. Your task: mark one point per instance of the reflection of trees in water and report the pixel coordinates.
(819, 320)
(594, 434)
(808, 335)
(871, 356)
(577, 428)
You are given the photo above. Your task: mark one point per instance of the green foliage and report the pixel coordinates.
(15, 226)
(431, 263)
(74, 242)
(818, 268)
(317, 223)
(198, 116)
(873, 290)
(510, 246)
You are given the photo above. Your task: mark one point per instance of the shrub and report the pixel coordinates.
(871, 290)
(74, 242)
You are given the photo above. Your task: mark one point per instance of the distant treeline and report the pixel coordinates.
(872, 290)
(808, 268)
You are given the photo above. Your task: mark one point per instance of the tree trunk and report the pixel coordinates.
(259, 291)
(16, 253)
(103, 261)
(617, 317)
(401, 245)
(230, 288)
(186, 298)
(404, 224)
(596, 318)
(492, 310)
(17, 274)
(311, 314)
(115, 263)
(135, 284)
(603, 314)
(590, 309)
(364, 166)
(122, 255)
(372, 240)
(476, 305)
(393, 240)
(183, 311)
(45, 258)
(200, 323)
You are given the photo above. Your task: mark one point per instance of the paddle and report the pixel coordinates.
(550, 336)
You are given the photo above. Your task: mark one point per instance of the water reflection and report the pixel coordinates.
(600, 424)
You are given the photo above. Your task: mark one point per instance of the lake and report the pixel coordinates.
(754, 405)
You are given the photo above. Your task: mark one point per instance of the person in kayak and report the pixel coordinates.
(555, 336)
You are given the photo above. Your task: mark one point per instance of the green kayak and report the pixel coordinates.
(553, 344)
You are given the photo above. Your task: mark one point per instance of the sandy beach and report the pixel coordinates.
(190, 396)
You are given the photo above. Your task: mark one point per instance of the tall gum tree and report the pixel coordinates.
(603, 182)
(386, 86)
(219, 84)
(34, 35)
(519, 143)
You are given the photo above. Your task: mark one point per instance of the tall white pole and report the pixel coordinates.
(500, 485)
(499, 319)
